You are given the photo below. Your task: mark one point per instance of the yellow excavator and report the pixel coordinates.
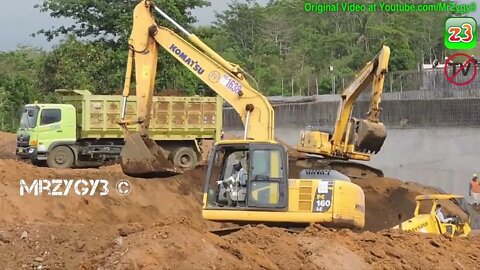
(351, 139)
(247, 179)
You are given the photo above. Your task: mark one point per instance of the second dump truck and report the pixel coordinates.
(83, 130)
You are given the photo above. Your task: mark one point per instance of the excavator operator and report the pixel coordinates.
(448, 219)
(234, 188)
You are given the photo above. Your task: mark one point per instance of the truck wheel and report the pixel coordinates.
(184, 157)
(60, 157)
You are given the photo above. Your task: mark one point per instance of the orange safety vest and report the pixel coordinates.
(475, 186)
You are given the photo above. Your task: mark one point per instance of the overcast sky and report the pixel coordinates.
(19, 19)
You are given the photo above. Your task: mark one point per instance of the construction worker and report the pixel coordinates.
(235, 185)
(438, 212)
(474, 190)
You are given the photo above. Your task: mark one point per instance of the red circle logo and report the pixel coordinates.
(451, 79)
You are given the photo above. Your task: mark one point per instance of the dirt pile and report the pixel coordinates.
(386, 199)
(158, 225)
(391, 249)
(149, 200)
(178, 243)
(7, 145)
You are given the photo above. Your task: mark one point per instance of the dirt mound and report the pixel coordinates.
(170, 92)
(158, 225)
(391, 249)
(178, 243)
(148, 201)
(7, 145)
(386, 199)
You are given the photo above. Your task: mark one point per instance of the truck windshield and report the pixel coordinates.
(29, 117)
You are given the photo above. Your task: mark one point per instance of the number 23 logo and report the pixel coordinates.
(454, 32)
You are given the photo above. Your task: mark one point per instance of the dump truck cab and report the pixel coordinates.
(43, 127)
(428, 222)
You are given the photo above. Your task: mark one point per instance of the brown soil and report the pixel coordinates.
(159, 226)
(7, 145)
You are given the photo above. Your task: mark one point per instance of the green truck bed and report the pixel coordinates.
(172, 118)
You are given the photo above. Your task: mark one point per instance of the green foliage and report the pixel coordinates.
(278, 44)
(108, 20)
(81, 65)
(18, 74)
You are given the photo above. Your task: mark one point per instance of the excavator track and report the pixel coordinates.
(351, 169)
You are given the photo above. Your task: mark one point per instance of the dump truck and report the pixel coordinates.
(83, 131)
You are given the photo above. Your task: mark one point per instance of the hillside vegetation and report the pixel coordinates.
(278, 44)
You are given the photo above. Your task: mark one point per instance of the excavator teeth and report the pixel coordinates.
(143, 157)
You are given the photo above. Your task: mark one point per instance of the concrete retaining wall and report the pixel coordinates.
(452, 112)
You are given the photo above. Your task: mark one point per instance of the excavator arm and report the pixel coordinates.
(370, 133)
(141, 155)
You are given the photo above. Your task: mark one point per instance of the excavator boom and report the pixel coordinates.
(140, 155)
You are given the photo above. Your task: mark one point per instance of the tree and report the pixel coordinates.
(83, 65)
(94, 56)
(108, 20)
(18, 80)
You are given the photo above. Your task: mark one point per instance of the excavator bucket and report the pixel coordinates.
(371, 136)
(143, 157)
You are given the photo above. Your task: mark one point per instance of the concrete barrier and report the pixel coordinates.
(452, 112)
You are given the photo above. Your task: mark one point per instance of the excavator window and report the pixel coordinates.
(266, 164)
(261, 184)
(267, 185)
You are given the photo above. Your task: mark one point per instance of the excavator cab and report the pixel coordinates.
(263, 183)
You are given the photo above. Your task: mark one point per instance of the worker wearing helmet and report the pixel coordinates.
(474, 190)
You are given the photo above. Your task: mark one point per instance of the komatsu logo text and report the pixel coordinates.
(189, 61)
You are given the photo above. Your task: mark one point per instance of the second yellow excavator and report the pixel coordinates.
(247, 179)
(351, 139)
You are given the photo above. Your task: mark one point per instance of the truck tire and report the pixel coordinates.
(184, 157)
(60, 157)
